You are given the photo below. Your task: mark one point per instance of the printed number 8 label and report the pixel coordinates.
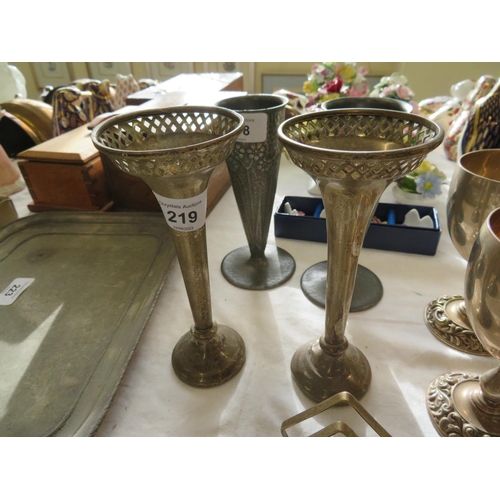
(255, 128)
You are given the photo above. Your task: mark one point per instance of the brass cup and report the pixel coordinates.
(474, 193)
(466, 404)
(175, 150)
(353, 155)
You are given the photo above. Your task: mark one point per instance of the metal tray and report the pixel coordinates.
(66, 341)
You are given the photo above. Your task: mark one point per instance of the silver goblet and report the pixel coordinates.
(353, 155)
(253, 167)
(466, 404)
(474, 193)
(175, 150)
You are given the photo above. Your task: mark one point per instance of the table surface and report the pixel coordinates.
(404, 356)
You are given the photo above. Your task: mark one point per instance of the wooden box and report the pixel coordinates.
(65, 173)
(130, 193)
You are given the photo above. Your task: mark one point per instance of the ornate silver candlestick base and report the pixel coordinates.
(474, 192)
(368, 289)
(353, 155)
(175, 150)
(451, 408)
(466, 404)
(447, 320)
(253, 167)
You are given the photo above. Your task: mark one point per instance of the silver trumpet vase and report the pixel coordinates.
(175, 150)
(368, 289)
(353, 155)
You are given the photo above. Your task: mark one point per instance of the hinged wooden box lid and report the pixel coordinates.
(72, 147)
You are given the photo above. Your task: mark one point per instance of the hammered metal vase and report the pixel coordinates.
(474, 193)
(253, 166)
(175, 150)
(466, 404)
(353, 155)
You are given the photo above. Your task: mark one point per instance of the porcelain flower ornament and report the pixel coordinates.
(425, 181)
(394, 87)
(330, 80)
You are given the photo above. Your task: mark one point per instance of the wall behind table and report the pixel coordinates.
(427, 79)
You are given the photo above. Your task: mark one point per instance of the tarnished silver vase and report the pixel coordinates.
(253, 166)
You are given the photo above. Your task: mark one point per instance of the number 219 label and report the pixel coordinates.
(186, 214)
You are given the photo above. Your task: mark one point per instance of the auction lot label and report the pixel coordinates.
(255, 128)
(12, 292)
(187, 214)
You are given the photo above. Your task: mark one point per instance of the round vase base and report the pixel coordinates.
(368, 289)
(209, 362)
(244, 271)
(320, 376)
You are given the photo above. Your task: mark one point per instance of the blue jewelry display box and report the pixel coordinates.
(395, 238)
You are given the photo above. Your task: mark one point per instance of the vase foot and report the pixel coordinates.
(321, 376)
(368, 289)
(450, 403)
(243, 271)
(209, 362)
(445, 321)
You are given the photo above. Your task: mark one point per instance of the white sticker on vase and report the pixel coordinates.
(187, 214)
(12, 292)
(255, 128)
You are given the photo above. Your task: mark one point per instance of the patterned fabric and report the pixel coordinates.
(125, 85)
(482, 130)
(68, 113)
(100, 97)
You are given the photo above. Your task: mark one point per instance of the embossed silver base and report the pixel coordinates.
(450, 403)
(208, 361)
(445, 321)
(368, 289)
(244, 271)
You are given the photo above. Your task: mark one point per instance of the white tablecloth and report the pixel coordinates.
(404, 356)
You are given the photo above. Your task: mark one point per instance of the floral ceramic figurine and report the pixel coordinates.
(330, 80)
(421, 186)
(395, 87)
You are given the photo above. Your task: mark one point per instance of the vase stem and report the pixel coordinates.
(191, 247)
(191, 251)
(349, 208)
